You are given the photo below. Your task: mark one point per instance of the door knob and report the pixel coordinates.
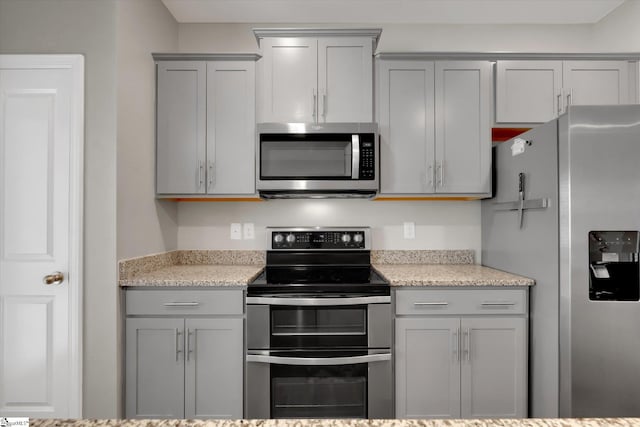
(54, 278)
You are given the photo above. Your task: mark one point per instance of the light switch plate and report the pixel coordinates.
(409, 230)
(248, 231)
(235, 231)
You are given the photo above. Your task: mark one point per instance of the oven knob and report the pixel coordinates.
(346, 238)
(291, 238)
(278, 238)
(358, 238)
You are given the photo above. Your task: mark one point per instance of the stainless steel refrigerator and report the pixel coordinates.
(566, 212)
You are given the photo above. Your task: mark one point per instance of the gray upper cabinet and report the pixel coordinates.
(305, 76)
(538, 91)
(205, 125)
(184, 354)
(434, 122)
(180, 127)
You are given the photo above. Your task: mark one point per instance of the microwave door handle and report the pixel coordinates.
(316, 361)
(355, 156)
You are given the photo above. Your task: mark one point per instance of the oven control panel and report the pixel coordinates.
(336, 238)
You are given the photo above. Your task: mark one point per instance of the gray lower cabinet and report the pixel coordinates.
(179, 366)
(461, 354)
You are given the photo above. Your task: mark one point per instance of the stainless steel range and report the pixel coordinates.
(319, 328)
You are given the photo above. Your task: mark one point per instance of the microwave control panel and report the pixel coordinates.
(367, 160)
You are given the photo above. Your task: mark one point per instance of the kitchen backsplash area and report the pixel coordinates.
(438, 225)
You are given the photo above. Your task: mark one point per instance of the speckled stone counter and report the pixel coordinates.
(449, 275)
(237, 268)
(195, 275)
(192, 268)
(532, 422)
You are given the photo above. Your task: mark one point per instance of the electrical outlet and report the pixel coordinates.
(248, 231)
(235, 231)
(409, 230)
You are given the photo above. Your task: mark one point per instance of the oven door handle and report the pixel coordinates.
(318, 361)
(319, 301)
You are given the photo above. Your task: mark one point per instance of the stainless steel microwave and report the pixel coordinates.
(317, 160)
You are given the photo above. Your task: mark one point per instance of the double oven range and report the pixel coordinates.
(319, 328)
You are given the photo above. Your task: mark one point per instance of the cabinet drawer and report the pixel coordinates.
(184, 302)
(464, 301)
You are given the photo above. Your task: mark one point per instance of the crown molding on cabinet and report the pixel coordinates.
(495, 56)
(374, 33)
(206, 56)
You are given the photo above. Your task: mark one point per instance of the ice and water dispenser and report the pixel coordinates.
(613, 265)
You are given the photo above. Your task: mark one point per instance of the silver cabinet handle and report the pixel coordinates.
(181, 304)
(430, 175)
(456, 344)
(178, 351)
(467, 350)
(569, 97)
(439, 171)
(189, 350)
(200, 174)
(211, 174)
(438, 303)
(497, 303)
(314, 114)
(324, 105)
(54, 278)
(318, 361)
(559, 102)
(355, 156)
(318, 301)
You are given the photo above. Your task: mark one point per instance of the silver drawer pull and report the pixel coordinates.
(439, 303)
(181, 304)
(497, 303)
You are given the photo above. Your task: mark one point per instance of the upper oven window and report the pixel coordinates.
(315, 156)
(318, 327)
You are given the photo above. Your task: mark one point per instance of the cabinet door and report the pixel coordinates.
(181, 130)
(528, 91)
(345, 79)
(230, 127)
(427, 368)
(596, 82)
(463, 133)
(494, 369)
(406, 126)
(214, 366)
(289, 80)
(154, 368)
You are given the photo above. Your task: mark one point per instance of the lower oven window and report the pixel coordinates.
(319, 391)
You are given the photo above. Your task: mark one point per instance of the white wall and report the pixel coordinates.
(439, 224)
(86, 27)
(145, 225)
(620, 30)
(415, 37)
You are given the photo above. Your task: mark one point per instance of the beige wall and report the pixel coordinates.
(414, 37)
(144, 225)
(86, 27)
(620, 30)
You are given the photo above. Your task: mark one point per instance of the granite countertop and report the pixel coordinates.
(448, 275)
(526, 422)
(196, 275)
(236, 268)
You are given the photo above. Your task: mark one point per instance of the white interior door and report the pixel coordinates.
(41, 133)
